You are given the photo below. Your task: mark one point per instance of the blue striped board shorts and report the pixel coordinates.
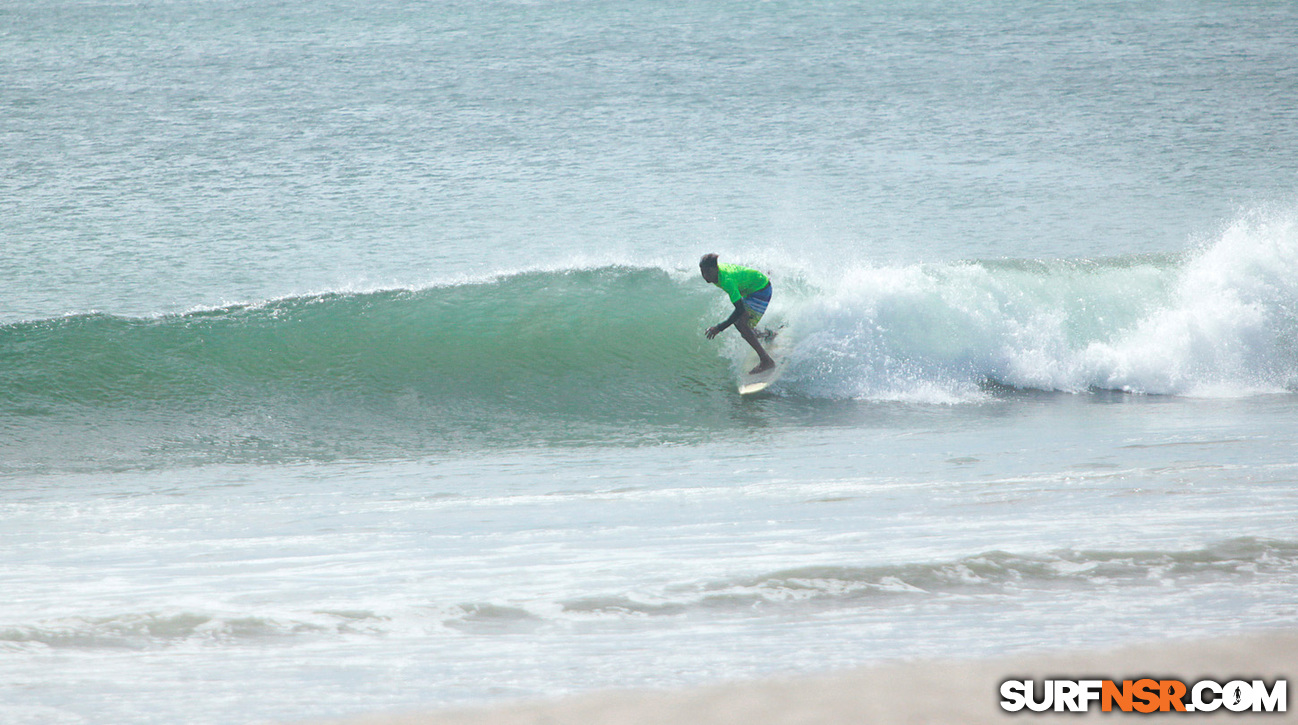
(756, 304)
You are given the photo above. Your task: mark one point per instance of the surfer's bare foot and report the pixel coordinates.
(762, 367)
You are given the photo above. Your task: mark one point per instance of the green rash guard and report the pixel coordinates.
(739, 282)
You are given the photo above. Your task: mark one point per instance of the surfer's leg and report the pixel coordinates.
(756, 304)
(765, 362)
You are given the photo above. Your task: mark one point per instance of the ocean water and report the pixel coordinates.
(351, 354)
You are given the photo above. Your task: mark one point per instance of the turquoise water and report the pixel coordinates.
(351, 354)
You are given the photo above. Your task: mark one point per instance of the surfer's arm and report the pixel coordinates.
(734, 317)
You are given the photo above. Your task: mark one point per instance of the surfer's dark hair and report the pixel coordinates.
(708, 261)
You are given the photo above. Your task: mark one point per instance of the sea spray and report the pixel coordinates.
(1229, 327)
(944, 333)
(1221, 320)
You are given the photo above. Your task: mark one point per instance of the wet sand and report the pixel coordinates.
(955, 692)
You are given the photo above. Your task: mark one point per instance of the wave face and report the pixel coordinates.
(616, 353)
(537, 355)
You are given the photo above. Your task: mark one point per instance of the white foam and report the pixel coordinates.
(1227, 330)
(1219, 322)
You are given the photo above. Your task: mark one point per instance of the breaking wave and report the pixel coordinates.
(616, 353)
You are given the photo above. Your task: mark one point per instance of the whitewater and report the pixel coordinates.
(352, 354)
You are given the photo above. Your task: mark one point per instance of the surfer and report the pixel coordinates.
(750, 291)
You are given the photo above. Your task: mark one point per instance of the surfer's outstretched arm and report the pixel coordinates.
(740, 312)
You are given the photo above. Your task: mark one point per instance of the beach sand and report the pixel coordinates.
(956, 692)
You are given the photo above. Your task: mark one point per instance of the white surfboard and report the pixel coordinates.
(750, 383)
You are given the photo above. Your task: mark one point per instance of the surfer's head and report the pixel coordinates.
(708, 266)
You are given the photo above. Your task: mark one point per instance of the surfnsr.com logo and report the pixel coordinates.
(1144, 696)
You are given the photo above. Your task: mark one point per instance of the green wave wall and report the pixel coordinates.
(570, 355)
